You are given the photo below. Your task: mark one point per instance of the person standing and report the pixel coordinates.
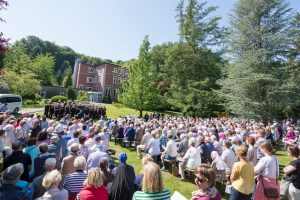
(292, 172)
(267, 170)
(242, 176)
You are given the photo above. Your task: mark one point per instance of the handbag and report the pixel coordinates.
(271, 192)
(284, 186)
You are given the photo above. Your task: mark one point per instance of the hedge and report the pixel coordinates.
(58, 98)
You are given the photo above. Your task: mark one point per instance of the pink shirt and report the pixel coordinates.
(290, 135)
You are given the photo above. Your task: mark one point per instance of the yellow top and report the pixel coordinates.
(244, 181)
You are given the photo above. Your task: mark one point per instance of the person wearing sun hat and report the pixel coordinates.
(67, 166)
(8, 189)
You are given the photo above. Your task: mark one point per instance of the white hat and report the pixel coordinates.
(74, 147)
(50, 162)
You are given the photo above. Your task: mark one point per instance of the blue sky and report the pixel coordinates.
(104, 28)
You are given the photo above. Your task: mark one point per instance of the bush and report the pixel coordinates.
(82, 96)
(71, 93)
(107, 99)
(58, 98)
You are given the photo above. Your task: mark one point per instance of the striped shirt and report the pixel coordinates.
(74, 182)
(164, 195)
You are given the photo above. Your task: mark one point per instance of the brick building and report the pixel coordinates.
(100, 80)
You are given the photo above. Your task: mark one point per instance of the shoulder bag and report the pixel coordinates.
(271, 192)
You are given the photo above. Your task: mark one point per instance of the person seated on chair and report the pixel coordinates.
(130, 134)
(154, 145)
(144, 143)
(191, 159)
(170, 152)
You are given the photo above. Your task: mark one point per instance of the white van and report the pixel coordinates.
(14, 102)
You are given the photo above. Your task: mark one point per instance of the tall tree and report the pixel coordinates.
(67, 81)
(140, 92)
(16, 59)
(291, 86)
(23, 84)
(42, 66)
(194, 67)
(258, 44)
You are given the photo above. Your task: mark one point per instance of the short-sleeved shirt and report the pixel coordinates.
(244, 181)
(164, 195)
(294, 176)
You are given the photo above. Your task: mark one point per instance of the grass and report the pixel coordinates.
(186, 188)
(113, 111)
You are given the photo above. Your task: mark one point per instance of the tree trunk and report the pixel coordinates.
(141, 113)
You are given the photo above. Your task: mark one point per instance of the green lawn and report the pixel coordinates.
(185, 188)
(114, 111)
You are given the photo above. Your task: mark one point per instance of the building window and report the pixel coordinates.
(62, 92)
(115, 70)
(89, 88)
(115, 93)
(91, 70)
(81, 87)
(107, 91)
(115, 80)
(89, 80)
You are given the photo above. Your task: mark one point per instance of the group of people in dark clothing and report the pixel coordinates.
(58, 110)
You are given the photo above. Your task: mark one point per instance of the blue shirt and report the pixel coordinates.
(163, 140)
(130, 134)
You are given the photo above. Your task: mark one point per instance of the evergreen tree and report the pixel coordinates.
(140, 92)
(71, 93)
(291, 87)
(67, 81)
(258, 43)
(194, 68)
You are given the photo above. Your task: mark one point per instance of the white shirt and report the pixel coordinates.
(268, 167)
(229, 158)
(154, 148)
(171, 148)
(193, 158)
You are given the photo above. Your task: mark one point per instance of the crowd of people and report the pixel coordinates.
(58, 110)
(69, 157)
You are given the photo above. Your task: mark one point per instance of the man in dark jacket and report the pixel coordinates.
(39, 161)
(18, 157)
(8, 189)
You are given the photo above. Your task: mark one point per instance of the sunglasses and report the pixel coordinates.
(201, 179)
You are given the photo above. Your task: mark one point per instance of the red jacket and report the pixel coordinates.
(90, 192)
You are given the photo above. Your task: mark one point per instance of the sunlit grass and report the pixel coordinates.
(186, 188)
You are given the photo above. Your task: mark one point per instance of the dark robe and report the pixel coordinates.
(122, 187)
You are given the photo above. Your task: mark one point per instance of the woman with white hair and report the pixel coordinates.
(10, 133)
(191, 158)
(74, 181)
(51, 182)
(218, 166)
